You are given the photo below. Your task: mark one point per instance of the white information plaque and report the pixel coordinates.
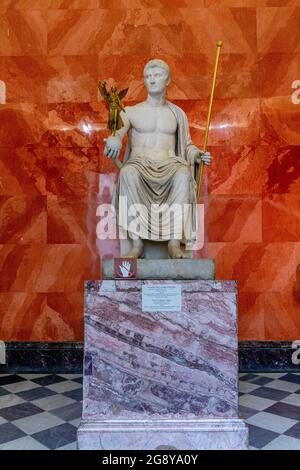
(161, 298)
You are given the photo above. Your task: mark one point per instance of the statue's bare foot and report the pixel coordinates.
(175, 251)
(137, 250)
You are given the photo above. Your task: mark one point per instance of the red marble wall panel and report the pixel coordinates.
(279, 121)
(23, 219)
(72, 79)
(20, 312)
(236, 121)
(72, 220)
(251, 316)
(52, 170)
(233, 219)
(127, 4)
(252, 3)
(254, 169)
(281, 218)
(79, 32)
(236, 27)
(23, 124)
(75, 125)
(46, 268)
(26, 78)
(23, 169)
(276, 73)
(70, 172)
(278, 29)
(23, 32)
(266, 273)
(30, 316)
(239, 170)
(268, 315)
(258, 267)
(283, 173)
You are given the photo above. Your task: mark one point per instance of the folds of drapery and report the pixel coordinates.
(159, 196)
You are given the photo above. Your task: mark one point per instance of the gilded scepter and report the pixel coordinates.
(200, 174)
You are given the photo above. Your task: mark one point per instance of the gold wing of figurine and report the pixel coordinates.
(122, 93)
(103, 91)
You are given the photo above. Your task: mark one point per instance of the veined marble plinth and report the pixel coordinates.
(155, 379)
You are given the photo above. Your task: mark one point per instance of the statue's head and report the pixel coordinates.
(156, 76)
(113, 89)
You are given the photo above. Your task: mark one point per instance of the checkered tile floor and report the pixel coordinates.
(39, 411)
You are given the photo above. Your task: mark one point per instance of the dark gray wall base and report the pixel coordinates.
(268, 356)
(39, 357)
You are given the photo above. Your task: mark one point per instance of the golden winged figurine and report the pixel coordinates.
(113, 99)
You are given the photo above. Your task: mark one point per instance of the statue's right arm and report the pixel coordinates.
(113, 144)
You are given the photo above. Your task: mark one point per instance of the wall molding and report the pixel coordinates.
(67, 357)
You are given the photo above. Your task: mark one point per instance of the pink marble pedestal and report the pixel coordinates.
(161, 379)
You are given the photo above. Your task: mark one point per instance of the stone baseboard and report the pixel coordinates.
(204, 434)
(172, 269)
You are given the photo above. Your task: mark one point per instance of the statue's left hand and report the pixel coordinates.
(205, 157)
(112, 146)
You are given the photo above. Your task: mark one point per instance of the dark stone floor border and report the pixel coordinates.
(269, 356)
(39, 357)
(67, 357)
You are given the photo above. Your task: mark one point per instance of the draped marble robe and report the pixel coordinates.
(156, 184)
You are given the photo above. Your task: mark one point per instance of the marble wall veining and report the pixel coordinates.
(52, 122)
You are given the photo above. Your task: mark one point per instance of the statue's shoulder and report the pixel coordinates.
(177, 110)
(134, 108)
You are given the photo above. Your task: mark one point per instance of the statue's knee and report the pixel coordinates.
(128, 172)
(182, 175)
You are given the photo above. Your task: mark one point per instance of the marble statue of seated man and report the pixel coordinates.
(158, 169)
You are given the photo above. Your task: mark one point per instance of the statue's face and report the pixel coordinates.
(156, 80)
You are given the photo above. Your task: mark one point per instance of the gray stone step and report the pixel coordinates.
(173, 269)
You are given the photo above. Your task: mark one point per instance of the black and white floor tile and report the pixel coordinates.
(42, 411)
(39, 411)
(270, 403)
